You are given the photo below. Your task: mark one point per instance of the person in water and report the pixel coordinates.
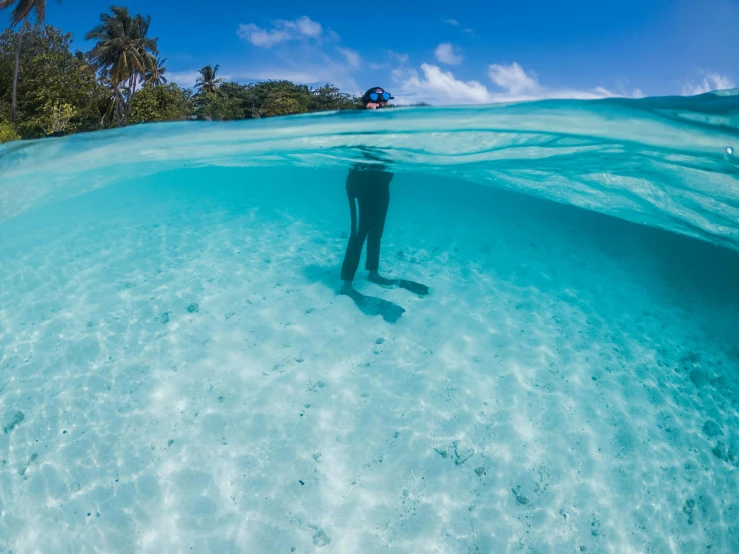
(368, 190)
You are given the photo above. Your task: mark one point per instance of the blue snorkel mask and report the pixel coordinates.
(372, 96)
(380, 96)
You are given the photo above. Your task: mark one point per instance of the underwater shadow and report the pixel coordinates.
(368, 305)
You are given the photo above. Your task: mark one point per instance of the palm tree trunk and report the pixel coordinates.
(117, 104)
(17, 68)
(132, 88)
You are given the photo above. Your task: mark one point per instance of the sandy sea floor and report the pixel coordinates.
(177, 374)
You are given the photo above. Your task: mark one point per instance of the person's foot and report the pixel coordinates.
(347, 288)
(377, 279)
(412, 286)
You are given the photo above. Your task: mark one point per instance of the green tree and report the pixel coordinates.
(237, 95)
(276, 98)
(271, 98)
(214, 106)
(54, 117)
(58, 91)
(155, 75)
(49, 89)
(7, 133)
(21, 14)
(282, 103)
(207, 82)
(329, 97)
(123, 53)
(160, 103)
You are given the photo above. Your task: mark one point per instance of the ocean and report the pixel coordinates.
(178, 372)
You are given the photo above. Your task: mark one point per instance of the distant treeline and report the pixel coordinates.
(122, 80)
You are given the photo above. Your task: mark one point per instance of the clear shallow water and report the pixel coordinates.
(175, 361)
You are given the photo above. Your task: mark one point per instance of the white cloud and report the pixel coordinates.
(262, 37)
(400, 75)
(519, 84)
(513, 78)
(352, 57)
(711, 82)
(448, 54)
(282, 31)
(309, 54)
(452, 22)
(309, 65)
(442, 87)
(400, 58)
(308, 27)
(185, 79)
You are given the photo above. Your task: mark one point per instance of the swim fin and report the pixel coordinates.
(412, 286)
(369, 305)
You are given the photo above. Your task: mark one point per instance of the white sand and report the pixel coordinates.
(190, 382)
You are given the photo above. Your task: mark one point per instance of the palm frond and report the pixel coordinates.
(39, 8)
(21, 11)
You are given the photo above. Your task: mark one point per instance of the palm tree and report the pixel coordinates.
(109, 103)
(21, 12)
(155, 76)
(146, 54)
(85, 64)
(207, 81)
(123, 53)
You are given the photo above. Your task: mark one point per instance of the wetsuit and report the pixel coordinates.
(369, 190)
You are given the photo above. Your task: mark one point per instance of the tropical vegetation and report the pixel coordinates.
(22, 12)
(49, 89)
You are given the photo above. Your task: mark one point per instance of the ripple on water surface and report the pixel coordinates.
(178, 374)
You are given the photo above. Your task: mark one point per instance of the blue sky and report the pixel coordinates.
(447, 52)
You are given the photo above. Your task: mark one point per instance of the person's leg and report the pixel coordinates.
(358, 234)
(358, 198)
(378, 209)
(380, 200)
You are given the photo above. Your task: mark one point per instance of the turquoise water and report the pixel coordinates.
(178, 373)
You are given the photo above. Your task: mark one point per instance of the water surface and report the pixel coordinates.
(178, 374)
